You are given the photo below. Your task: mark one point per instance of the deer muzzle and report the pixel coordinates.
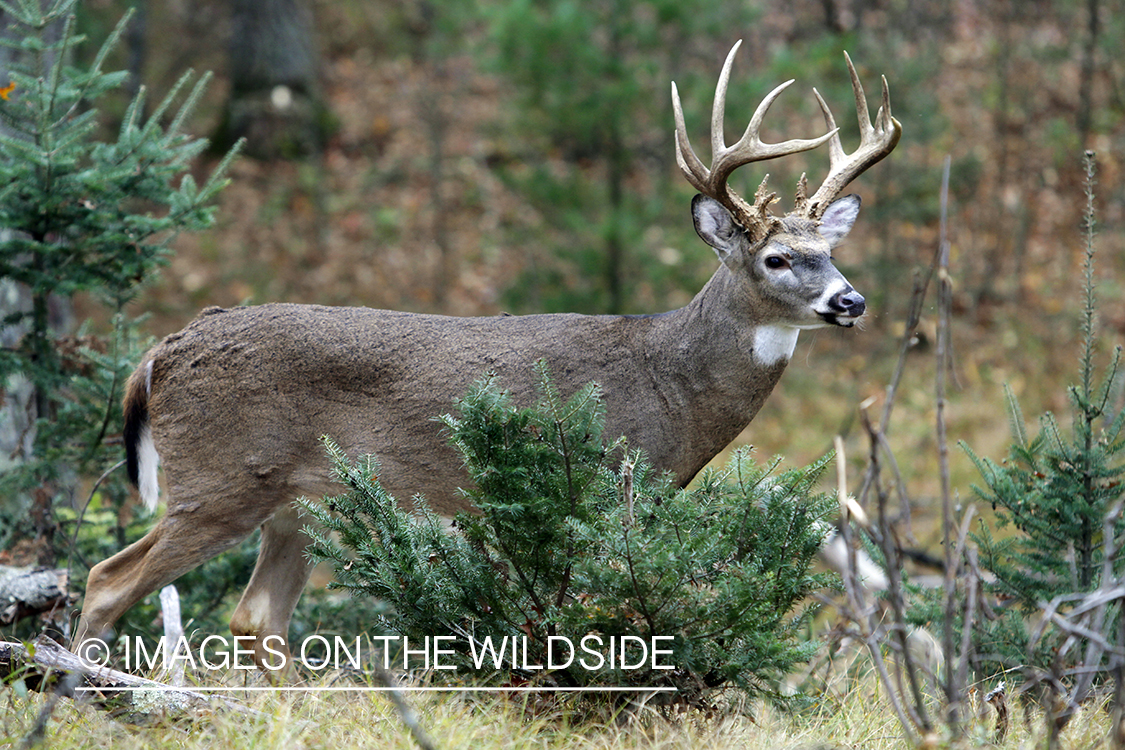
(845, 307)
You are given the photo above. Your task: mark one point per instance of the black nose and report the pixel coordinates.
(850, 303)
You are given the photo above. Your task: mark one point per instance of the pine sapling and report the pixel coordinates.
(577, 541)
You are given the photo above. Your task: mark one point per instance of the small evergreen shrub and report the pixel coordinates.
(1051, 497)
(79, 213)
(579, 539)
(1055, 491)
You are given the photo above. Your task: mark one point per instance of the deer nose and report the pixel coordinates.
(849, 302)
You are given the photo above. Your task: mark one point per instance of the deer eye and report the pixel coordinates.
(776, 262)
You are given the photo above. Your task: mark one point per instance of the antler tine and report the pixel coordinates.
(719, 104)
(860, 96)
(836, 153)
(688, 162)
(875, 142)
(725, 159)
(883, 116)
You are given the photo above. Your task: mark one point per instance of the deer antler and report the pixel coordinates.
(725, 159)
(875, 142)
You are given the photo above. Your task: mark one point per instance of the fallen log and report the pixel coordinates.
(31, 591)
(43, 664)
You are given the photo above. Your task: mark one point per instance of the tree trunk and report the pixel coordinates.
(22, 401)
(274, 100)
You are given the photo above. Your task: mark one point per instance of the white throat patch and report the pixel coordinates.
(774, 343)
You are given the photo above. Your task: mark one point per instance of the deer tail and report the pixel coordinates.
(141, 458)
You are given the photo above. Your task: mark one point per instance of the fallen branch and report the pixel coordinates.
(42, 664)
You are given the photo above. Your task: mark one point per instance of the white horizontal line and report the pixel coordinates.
(354, 689)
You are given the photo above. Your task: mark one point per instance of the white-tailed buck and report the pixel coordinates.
(235, 404)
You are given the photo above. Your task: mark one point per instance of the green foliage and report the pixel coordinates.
(79, 213)
(81, 210)
(577, 538)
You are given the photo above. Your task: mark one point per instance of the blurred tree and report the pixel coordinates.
(436, 35)
(591, 79)
(79, 214)
(274, 93)
(17, 407)
(1086, 83)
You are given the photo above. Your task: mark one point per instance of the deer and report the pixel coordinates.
(234, 406)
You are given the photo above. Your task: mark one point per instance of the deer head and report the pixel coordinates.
(785, 261)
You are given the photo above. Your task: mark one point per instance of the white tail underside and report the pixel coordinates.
(147, 461)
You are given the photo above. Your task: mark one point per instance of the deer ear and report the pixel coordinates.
(715, 225)
(838, 219)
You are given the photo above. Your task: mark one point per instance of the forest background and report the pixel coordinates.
(476, 157)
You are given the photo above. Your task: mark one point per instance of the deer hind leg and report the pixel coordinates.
(176, 545)
(279, 578)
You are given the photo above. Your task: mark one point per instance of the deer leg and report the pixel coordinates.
(173, 547)
(279, 577)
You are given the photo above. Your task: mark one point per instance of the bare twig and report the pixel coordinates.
(913, 319)
(904, 663)
(1085, 621)
(945, 304)
(857, 603)
(72, 550)
(972, 579)
(628, 464)
(860, 612)
(1096, 647)
(1116, 667)
(406, 712)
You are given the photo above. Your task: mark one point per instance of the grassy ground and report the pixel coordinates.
(856, 717)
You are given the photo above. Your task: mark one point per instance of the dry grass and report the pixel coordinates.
(859, 717)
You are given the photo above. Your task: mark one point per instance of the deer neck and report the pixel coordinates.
(721, 358)
(730, 327)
